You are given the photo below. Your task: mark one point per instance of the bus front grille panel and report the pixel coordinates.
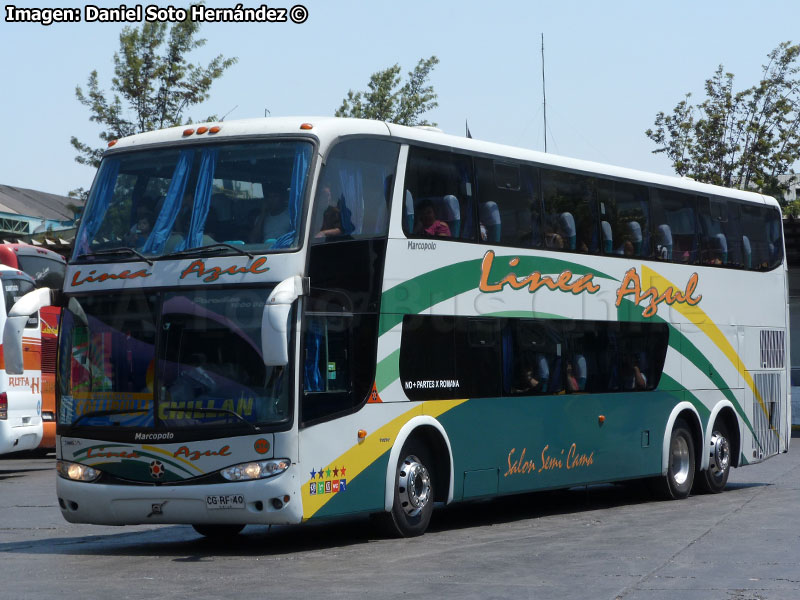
(767, 414)
(772, 349)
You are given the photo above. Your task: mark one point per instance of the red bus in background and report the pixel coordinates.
(47, 269)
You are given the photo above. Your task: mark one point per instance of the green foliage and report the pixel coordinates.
(152, 87)
(792, 209)
(743, 139)
(385, 101)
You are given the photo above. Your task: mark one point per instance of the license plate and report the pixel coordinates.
(225, 501)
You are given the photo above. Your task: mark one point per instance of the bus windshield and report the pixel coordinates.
(173, 359)
(246, 196)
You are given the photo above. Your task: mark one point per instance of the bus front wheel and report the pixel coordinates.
(677, 483)
(413, 492)
(218, 532)
(714, 479)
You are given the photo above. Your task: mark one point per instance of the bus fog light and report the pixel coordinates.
(76, 471)
(255, 470)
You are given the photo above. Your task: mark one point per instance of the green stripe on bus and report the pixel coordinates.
(387, 371)
(424, 291)
(683, 346)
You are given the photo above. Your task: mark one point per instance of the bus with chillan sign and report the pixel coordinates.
(279, 320)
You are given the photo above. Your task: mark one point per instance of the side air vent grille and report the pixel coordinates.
(767, 417)
(772, 349)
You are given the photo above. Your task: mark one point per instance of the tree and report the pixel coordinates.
(743, 139)
(384, 101)
(152, 87)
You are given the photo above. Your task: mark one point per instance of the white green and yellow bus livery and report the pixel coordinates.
(279, 320)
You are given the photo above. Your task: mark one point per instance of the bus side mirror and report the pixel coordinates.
(275, 320)
(18, 317)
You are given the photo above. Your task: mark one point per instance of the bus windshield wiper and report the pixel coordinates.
(104, 413)
(216, 247)
(226, 411)
(120, 250)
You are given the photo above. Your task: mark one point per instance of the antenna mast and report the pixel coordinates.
(544, 98)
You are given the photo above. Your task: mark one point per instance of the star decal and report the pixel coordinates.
(335, 472)
(342, 470)
(313, 473)
(328, 473)
(321, 474)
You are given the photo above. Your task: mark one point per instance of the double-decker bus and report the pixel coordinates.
(280, 320)
(47, 269)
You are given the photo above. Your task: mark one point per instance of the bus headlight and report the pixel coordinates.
(76, 471)
(256, 470)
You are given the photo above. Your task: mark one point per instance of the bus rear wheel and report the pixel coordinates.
(218, 532)
(677, 483)
(714, 479)
(413, 492)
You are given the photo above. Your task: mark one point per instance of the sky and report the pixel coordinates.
(610, 67)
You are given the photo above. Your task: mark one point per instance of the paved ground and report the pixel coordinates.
(603, 542)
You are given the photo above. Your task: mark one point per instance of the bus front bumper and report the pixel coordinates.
(264, 502)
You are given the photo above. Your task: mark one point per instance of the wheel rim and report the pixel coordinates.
(680, 460)
(720, 455)
(413, 486)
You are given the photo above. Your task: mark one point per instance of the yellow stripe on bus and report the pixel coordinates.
(363, 454)
(705, 324)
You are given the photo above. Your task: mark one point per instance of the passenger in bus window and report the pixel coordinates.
(631, 375)
(138, 234)
(428, 224)
(273, 219)
(533, 376)
(572, 380)
(331, 217)
(628, 249)
(553, 240)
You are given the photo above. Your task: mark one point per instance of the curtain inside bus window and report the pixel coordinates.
(172, 204)
(312, 372)
(351, 202)
(98, 203)
(299, 176)
(202, 199)
(354, 191)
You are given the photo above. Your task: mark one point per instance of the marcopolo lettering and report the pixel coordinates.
(412, 245)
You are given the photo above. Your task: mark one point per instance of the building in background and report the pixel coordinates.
(39, 218)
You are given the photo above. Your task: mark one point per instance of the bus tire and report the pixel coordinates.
(677, 483)
(714, 479)
(218, 532)
(413, 492)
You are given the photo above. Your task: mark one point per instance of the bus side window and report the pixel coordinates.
(570, 212)
(676, 225)
(354, 191)
(509, 210)
(326, 361)
(720, 237)
(624, 213)
(439, 194)
(762, 245)
(537, 364)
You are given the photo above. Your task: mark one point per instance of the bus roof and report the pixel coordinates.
(11, 272)
(328, 129)
(30, 250)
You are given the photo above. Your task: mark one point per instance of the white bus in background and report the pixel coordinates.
(20, 394)
(278, 320)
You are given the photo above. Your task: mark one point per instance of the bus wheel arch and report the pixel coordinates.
(721, 450)
(419, 472)
(681, 450)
